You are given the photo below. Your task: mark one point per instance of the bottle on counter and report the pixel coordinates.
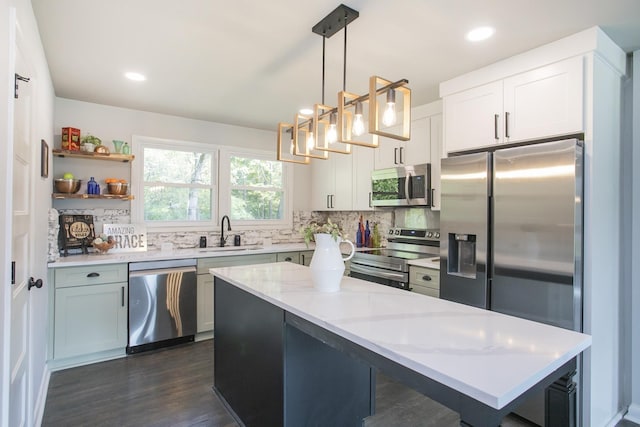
(91, 186)
(367, 236)
(375, 237)
(359, 236)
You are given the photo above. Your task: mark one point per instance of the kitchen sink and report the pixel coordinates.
(230, 248)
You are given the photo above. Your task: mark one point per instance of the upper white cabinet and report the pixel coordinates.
(363, 160)
(436, 155)
(542, 102)
(393, 153)
(332, 183)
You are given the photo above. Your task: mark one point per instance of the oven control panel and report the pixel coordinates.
(427, 235)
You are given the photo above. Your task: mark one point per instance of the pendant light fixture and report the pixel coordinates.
(387, 107)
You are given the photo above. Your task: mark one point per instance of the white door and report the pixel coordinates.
(21, 251)
(543, 102)
(417, 150)
(472, 119)
(322, 182)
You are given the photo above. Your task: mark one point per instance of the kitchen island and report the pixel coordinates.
(286, 354)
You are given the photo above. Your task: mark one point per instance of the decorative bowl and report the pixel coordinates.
(101, 149)
(68, 186)
(117, 188)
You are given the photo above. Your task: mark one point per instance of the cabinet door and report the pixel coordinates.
(544, 102)
(388, 151)
(322, 183)
(90, 319)
(417, 150)
(342, 193)
(205, 303)
(436, 154)
(363, 159)
(470, 118)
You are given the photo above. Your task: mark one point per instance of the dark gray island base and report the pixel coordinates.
(273, 368)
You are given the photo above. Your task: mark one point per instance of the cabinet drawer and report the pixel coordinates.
(204, 264)
(90, 275)
(288, 256)
(425, 277)
(424, 290)
(305, 257)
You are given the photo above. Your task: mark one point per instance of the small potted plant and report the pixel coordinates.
(329, 228)
(327, 263)
(89, 143)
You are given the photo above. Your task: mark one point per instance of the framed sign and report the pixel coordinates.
(128, 237)
(76, 232)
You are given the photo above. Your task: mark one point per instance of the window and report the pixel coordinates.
(175, 182)
(254, 188)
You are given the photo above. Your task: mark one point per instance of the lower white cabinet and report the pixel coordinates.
(204, 307)
(90, 315)
(424, 281)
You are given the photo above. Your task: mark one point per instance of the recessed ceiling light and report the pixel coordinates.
(480, 33)
(306, 111)
(137, 77)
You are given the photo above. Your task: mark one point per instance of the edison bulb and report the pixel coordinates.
(389, 118)
(310, 141)
(332, 134)
(358, 125)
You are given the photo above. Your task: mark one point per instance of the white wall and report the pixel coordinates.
(634, 409)
(109, 123)
(42, 129)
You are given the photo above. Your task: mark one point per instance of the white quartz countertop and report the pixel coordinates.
(157, 255)
(488, 356)
(426, 262)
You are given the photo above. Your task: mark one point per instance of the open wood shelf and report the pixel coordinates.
(114, 157)
(91, 196)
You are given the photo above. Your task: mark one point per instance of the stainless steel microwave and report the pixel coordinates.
(402, 186)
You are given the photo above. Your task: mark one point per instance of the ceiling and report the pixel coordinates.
(255, 63)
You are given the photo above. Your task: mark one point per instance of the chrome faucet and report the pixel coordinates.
(223, 239)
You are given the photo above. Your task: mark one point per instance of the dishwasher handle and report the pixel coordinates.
(161, 271)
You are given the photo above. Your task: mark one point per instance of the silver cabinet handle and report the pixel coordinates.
(401, 161)
(495, 126)
(395, 156)
(426, 278)
(370, 199)
(506, 124)
(122, 295)
(328, 201)
(332, 196)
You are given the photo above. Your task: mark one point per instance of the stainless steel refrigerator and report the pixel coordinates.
(511, 239)
(511, 227)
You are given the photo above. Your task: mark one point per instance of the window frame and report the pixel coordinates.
(139, 143)
(224, 185)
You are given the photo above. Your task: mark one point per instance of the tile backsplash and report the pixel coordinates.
(347, 220)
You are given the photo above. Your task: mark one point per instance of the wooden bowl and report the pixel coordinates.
(104, 247)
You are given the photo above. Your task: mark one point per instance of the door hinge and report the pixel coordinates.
(17, 77)
(13, 272)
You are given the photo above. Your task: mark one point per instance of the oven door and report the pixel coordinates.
(395, 279)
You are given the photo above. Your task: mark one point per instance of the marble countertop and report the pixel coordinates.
(426, 262)
(488, 356)
(157, 255)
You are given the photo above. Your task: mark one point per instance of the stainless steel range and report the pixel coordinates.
(390, 266)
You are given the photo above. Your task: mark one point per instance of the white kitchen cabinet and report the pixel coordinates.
(363, 160)
(543, 102)
(332, 183)
(436, 155)
(204, 306)
(425, 281)
(90, 315)
(393, 153)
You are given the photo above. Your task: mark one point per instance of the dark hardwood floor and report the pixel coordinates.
(172, 387)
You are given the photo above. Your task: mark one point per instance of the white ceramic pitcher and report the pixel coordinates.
(327, 264)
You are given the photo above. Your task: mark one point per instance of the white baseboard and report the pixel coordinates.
(633, 414)
(38, 410)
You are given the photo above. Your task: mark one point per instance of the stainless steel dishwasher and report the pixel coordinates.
(162, 303)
